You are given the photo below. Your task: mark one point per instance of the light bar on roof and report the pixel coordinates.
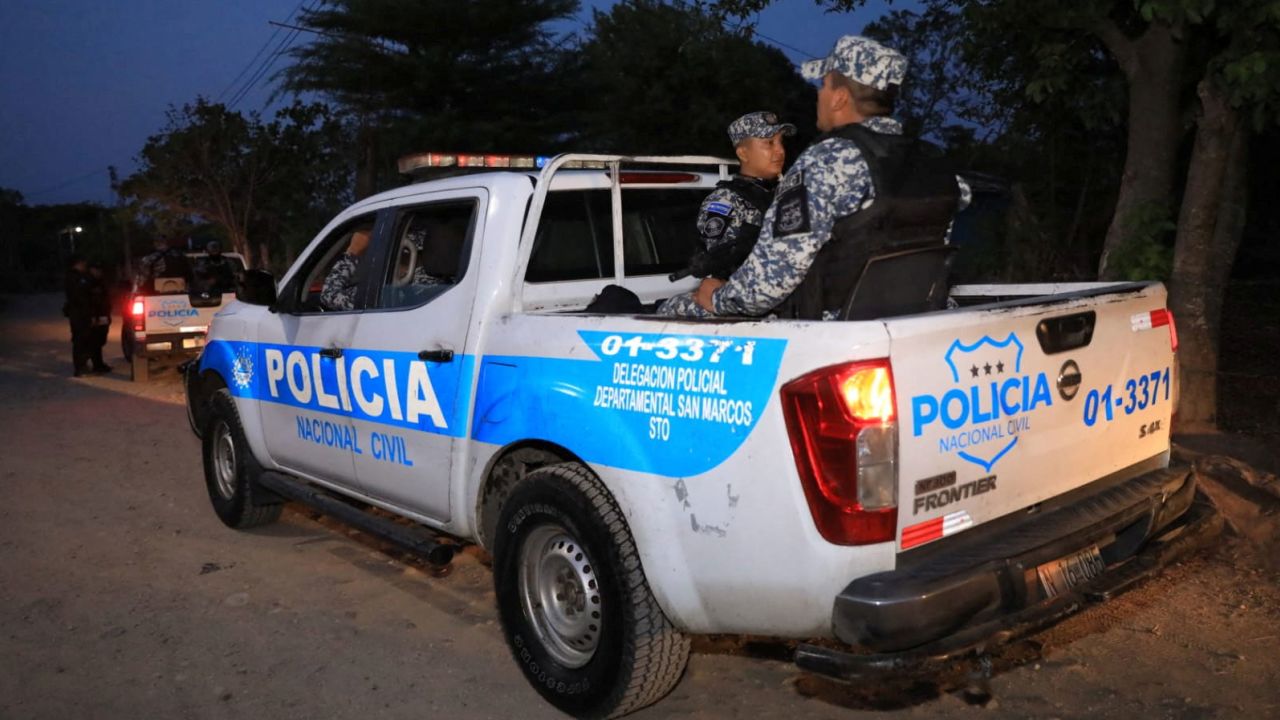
(410, 164)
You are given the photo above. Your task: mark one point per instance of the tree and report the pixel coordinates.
(657, 77)
(474, 76)
(1239, 92)
(1217, 59)
(257, 182)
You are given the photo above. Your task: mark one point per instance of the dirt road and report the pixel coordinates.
(122, 596)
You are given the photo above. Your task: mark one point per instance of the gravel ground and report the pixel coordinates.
(122, 596)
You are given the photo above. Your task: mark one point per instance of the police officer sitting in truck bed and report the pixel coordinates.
(859, 188)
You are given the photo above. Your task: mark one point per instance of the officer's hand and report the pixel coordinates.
(359, 242)
(703, 294)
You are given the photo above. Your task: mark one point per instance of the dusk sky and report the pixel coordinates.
(83, 84)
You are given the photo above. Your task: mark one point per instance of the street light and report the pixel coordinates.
(71, 232)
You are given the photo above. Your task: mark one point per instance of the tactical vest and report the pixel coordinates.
(758, 197)
(915, 197)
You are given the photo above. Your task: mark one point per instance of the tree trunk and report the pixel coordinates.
(1153, 67)
(367, 164)
(1202, 258)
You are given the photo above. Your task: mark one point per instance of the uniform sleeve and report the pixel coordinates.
(829, 181)
(966, 193)
(684, 306)
(716, 224)
(339, 292)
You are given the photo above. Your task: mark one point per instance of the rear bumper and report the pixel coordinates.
(984, 591)
(165, 344)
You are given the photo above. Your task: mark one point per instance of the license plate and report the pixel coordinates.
(1071, 571)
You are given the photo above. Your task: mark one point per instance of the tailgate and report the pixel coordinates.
(1007, 405)
(169, 314)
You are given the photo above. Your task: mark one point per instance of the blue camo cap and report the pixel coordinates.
(862, 60)
(761, 124)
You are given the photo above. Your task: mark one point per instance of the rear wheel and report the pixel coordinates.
(230, 470)
(126, 341)
(576, 608)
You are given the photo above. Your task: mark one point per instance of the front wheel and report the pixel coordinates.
(230, 470)
(576, 608)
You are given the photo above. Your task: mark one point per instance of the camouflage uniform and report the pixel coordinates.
(830, 180)
(160, 263)
(339, 292)
(724, 211)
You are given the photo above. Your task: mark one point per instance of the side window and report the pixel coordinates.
(428, 253)
(332, 280)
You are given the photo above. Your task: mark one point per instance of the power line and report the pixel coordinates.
(775, 41)
(258, 54)
(66, 183)
(248, 65)
(268, 61)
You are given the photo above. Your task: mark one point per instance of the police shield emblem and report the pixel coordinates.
(991, 401)
(714, 227)
(793, 212)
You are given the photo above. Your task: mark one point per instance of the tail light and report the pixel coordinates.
(1173, 345)
(844, 435)
(1165, 317)
(137, 311)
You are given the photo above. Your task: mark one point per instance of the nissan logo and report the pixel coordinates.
(1069, 380)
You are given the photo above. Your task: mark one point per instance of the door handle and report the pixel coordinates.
(332, 352)
(440, 356)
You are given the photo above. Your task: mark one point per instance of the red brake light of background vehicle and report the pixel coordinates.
(840, 420)
(138, 311)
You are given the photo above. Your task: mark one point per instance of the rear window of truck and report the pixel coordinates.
(574, 240)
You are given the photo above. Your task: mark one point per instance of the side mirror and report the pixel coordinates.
(258, 288)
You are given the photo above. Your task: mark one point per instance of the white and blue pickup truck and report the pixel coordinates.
(897, 491)
(166, 318)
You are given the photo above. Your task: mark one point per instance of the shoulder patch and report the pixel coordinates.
(792, 214)
(713, 228)
(720, 208)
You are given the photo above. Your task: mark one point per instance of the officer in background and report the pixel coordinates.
(164, 261)
(821, 197)
(79, 310)
(215, 272)
(100, 320)
(729, 219)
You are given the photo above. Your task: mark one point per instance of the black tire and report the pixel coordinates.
(126, 342)
(230, 470)
(595, 651)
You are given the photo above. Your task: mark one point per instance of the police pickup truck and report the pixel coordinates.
(169, 317)
(896, 491)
